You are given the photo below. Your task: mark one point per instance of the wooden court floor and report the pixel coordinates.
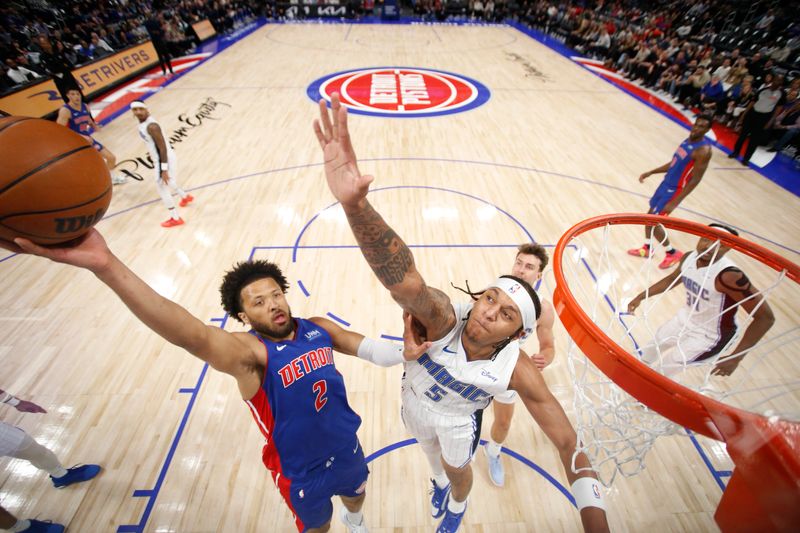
(546, 151)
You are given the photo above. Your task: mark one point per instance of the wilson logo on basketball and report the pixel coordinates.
(401, 91)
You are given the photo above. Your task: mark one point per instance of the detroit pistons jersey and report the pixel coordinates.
(447, 384)
(682, 163)
(80, 121)
(709, 311)
(301, 407)
(151, 143)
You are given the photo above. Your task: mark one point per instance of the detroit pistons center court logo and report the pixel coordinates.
(401, 91)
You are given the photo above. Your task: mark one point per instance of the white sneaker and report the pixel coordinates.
(351, 527)
(118, 179)
(496, 472)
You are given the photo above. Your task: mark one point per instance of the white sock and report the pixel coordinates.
(441, 480)
(456, 507)
(355, 518)
(173, 213)
(493, 448)
(21, 525)
(58, 472)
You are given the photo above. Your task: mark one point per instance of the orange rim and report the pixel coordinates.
(766, 453)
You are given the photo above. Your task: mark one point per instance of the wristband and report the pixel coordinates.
(588, 493)
(381, 353)
(10, 399)
(164, 166)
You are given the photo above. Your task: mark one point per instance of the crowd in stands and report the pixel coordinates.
(710, 56)
(736, 60)
(51, 37)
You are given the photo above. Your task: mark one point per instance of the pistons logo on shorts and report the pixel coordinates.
(401, 91)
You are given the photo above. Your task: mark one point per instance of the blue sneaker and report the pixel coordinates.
(450, 522)
(37, 526)
(76, 474)
(496, 472)
(439, 498)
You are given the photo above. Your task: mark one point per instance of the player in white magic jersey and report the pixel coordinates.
(475, 353)
(165, 165)
(529, 263)
(705, 327)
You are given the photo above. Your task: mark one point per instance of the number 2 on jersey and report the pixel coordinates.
(320, 387)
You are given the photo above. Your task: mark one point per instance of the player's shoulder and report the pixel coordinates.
(255, 350)
(731, 275)
(548, 314)
(526, 378)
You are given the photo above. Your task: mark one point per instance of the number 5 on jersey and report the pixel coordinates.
(320, 387)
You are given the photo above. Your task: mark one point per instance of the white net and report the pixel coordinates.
(689, 328)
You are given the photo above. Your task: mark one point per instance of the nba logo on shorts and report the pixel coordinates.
(401, 91)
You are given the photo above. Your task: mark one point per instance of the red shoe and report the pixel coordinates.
(644, 251)
(171, 222)
(671, 259)
(186, 200)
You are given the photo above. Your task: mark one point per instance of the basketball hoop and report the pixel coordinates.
(763, 493)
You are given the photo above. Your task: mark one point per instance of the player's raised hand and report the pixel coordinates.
(341, 166)
(89, 251)
(413, 344)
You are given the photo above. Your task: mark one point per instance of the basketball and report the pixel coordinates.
(54, 185)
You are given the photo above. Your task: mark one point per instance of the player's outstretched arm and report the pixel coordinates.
(660, 170)
(386, 253)
(548, 413)
(544, 334)
(664, 284)
(737, 286)
(224, 351)
(23, 406)
(379, 352)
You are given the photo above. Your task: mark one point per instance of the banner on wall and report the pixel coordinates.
(204, 30)
(105, 72)
(34, 101)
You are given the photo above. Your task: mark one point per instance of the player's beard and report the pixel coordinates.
(280, 333)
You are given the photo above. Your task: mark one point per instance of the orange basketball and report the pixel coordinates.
(54, 185)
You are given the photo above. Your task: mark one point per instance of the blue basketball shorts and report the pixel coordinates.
(344, 474)
(662, 196)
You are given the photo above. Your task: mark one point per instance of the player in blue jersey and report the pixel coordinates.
(76, 116)
(284, 367)
(684, 173)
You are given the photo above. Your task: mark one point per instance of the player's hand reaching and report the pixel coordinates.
(414, 344)
(539, 360)
(634, 303)
(643, 177)
(726, 368)
(89, 251)
(341, 166)
(24, 406)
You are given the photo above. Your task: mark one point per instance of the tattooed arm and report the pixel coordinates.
(735, 284)
(386, 253)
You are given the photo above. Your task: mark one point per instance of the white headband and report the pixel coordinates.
(138, 105)
(525, 303)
